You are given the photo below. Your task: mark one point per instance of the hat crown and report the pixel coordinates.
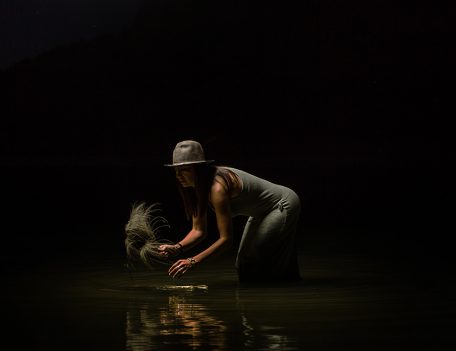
(188, 151)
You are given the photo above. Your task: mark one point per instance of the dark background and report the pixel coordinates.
(345, 103)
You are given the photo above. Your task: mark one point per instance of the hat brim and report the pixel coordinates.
(188, 163)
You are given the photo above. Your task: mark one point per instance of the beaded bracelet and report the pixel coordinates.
(192, 261)
(181, 249)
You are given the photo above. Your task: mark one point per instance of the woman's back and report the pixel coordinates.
(258, 196)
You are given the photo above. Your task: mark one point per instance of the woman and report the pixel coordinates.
(267, 248)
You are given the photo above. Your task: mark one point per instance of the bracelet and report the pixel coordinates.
(181, 249)
(192, 261)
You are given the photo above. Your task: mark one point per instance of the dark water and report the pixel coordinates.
(348, 298)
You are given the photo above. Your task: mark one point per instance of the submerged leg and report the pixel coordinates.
(268, 247)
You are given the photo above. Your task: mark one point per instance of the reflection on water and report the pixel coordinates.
(265, 338)
(222, 316)
(178, 322)
(181, 320)
(342, 303)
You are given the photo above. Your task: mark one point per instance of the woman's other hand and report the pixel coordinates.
(170, 251)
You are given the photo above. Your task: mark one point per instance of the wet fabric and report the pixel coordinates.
(268, 245)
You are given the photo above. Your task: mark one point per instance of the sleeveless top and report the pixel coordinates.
(258, 196)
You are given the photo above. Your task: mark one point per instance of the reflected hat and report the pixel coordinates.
(188, 152)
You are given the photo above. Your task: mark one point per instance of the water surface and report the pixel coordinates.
(346, 299)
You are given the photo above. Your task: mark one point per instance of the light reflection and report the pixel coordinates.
(179, 322)
(266, 337)
(255, 317)
(261, 329)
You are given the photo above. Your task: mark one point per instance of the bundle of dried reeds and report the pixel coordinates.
(143, 234)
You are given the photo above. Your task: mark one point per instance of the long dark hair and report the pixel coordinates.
(196, 199)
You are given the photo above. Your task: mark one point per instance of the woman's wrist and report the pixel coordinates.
(180, 248)
(192, 262)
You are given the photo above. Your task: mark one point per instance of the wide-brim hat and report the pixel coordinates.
(188, 152)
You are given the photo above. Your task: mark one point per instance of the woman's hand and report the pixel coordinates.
(180, 267)
(170, 251)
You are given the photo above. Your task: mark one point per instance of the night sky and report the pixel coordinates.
(344, 102)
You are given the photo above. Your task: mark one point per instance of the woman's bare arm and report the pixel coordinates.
(221, 204)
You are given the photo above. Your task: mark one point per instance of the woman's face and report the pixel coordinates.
(185, 175)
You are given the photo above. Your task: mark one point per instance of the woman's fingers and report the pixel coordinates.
(177, 269)
(163, 251)
(167, 250)
(173, 268)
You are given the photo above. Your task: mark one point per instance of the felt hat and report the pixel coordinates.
(188, 152)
